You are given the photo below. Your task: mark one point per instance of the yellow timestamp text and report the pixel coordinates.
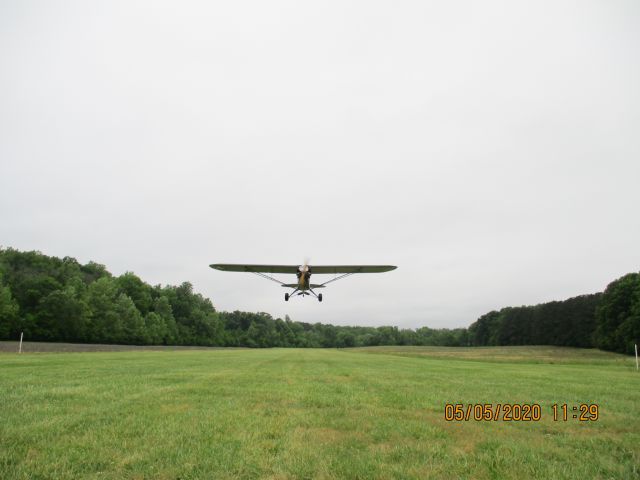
(518, 412)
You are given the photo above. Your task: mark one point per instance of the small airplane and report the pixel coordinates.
(303, 272)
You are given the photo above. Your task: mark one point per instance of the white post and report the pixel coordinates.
(22, 333)
(636, 356)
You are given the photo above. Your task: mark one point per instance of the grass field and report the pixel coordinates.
(529, 354)
(47, 347)
(325, 414)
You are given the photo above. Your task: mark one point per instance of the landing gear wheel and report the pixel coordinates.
(319, 297)
(286, 297)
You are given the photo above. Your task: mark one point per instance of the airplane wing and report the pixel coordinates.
(237, 267)
(335, 269)
(341, 271)
(328, 269)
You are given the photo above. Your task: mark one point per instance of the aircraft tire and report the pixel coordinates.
(286, 297)
(319, 297)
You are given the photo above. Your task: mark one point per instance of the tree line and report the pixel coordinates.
(609, 320)
(60, 300)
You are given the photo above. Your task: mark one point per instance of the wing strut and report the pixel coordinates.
(269, 277)
(338, 278)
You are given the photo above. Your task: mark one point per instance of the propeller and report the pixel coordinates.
(304, 267)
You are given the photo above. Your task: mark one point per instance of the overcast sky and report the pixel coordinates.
(491, 149)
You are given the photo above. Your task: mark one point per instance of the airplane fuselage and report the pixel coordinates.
(304, 275)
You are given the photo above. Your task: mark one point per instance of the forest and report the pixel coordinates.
(58, 299)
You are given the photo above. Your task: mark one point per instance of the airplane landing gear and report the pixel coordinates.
(319, 297)
(286, 297)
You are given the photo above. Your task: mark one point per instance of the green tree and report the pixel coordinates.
(106, 325)
(129, 316)
(162, 307)
(136, 290)
(93, 271)
(63, 315)
(8, 313)
(155, 328)
(345, 339)
(618, 315)
(253, 338)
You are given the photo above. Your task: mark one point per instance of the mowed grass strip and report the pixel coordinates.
(304, 413)
(511, 354)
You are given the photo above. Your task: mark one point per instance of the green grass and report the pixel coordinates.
(317, 414)
(520, 354)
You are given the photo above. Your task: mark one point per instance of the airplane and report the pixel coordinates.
(303, 272)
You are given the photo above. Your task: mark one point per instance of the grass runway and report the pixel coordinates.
(374, 413)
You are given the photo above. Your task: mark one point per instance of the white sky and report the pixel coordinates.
(491, 150)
